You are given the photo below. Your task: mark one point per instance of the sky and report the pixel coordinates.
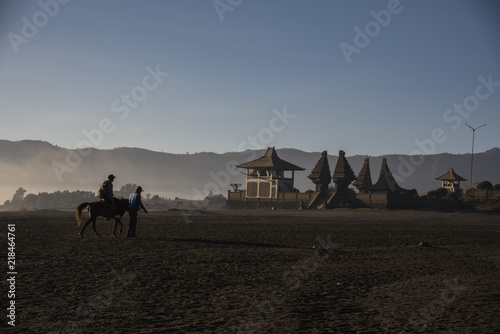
(178, 76)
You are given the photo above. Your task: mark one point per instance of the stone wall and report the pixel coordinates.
(284, 200)
(293, 201)
(376, 200)
(395, 201)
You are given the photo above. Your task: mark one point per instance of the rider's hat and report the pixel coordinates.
(111, 176)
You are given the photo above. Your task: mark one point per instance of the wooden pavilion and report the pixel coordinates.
(265, 177)
(451, 181)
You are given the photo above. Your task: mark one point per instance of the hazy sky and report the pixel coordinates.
(368, 77)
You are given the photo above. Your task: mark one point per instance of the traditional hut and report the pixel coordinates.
(451, 181)
(265, 177)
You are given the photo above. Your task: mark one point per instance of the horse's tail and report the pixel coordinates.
(79, 212)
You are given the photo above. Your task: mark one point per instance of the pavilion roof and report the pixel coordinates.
(450, 176)
(270, 160)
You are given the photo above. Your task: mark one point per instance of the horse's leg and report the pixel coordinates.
(84, 226)
(114, 228)
(117, 221)
(93, 226)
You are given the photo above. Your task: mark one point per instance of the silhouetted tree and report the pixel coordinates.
(125, 190)
(18, 196)
(485, 185)
(438, 193)
(30, 200)
(215, 199)
(48, 200)
(410, 193)
(44, 200)
(17, 200)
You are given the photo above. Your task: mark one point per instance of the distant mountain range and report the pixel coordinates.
(38, 166)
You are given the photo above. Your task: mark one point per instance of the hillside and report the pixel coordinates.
(39, 166)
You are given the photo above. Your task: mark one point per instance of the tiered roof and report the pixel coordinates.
(343, 171)
(364, 179)
(321, 172)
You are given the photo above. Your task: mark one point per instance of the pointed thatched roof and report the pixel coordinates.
(450, 176)
(270, 160)
(386, 183)
(384, 169)
(364, 179)
(343, 170)
(321, 172)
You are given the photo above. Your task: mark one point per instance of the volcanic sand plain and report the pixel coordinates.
(330, 271)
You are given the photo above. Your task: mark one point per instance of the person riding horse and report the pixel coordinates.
(106, 193)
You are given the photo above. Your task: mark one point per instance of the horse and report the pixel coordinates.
(101, 209)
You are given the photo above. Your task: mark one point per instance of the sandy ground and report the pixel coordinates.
(338, 271)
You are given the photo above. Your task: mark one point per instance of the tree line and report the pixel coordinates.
(44, 200)
(442, 193)
(70, 199)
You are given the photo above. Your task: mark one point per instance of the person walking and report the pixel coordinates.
(134, 205)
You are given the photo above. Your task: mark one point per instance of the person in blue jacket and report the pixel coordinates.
(134, 205)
